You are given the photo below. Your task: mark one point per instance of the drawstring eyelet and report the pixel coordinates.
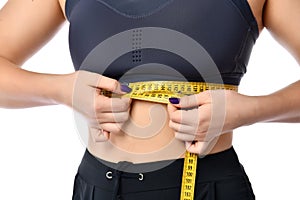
(109, 175)
(141, 176)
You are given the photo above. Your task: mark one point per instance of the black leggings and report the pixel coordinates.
(220, 176)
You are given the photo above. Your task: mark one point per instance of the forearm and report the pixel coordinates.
(281, 106)
(21, 89)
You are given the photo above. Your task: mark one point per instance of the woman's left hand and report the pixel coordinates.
(199, 119)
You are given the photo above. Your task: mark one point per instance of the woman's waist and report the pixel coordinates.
(174, 149)
(147, 137)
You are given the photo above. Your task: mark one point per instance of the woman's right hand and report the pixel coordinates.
(104, 115)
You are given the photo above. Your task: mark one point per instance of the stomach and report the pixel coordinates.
(147, 137)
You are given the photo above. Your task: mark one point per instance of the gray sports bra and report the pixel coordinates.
(139, 40)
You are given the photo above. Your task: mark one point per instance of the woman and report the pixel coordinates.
(115, 133)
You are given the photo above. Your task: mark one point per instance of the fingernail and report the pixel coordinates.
(125, 88)
(174, 100)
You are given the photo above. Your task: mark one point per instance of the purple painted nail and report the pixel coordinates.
(125, 88)
(174, 100)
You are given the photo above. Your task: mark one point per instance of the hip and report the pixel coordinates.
(219, 176)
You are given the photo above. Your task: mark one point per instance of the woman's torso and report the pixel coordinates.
(148, 137)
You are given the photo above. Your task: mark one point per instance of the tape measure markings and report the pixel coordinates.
(160, 92)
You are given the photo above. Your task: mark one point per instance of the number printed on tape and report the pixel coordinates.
(160, 92)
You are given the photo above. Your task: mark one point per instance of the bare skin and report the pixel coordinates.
(17, 44)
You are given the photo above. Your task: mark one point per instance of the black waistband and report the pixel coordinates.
(212, 167)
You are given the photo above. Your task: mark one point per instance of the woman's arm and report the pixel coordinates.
(204, 116)
(25, 27)
(282, 19)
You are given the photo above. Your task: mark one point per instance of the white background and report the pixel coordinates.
(40, 149)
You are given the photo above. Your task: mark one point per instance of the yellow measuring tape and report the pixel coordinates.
(160, 92)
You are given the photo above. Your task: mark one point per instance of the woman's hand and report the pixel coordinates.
(104, 115)
(199, 119)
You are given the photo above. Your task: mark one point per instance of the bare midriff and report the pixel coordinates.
(147, 137)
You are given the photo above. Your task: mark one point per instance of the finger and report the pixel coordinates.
(112, 85)
(98, 135)
(188, 117)
(183, 128)
(105, 104)
(114, 128)
(171, 109)
(196, 147)
(106, 134)
(113, 117)
(191, 100)
(202, 148)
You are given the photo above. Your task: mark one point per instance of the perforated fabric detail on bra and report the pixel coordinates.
(226, 29)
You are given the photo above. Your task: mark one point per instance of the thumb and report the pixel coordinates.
(112, 85)
(189, 101)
